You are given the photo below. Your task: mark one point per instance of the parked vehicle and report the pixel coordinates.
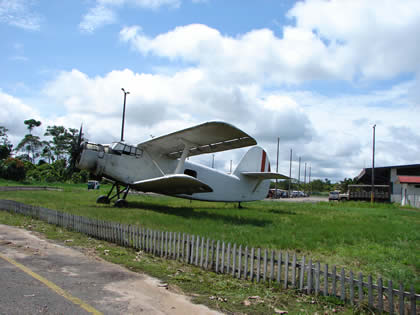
(280, 193)
(334, 195)
(362, 193)
(93, 184)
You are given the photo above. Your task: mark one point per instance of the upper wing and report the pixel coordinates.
(209, 137)
(172, 185)
(265, 175)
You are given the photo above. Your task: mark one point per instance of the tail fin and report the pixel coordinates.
(255, 160)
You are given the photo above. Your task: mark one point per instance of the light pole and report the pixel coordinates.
(123, 116)
(277, 164)
(372, 194)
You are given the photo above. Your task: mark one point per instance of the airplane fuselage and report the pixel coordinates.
(131, 164)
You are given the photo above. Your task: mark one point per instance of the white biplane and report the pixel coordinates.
(160, 165)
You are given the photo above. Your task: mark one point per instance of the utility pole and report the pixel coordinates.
(277, 163)
(305, 174)
(372, 194)
(123, 115)
(310, 184)
(299, 174)
(290, 172)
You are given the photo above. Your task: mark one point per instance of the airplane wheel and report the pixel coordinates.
(103, 199)
(121, 203)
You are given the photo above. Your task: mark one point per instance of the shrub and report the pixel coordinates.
(13, 169)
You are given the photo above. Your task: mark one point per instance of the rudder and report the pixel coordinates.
(255, 160)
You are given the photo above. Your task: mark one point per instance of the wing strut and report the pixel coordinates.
(185, 152)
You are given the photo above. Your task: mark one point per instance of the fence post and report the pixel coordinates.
(343, 283)
(325, 279)
(258, 264)
(265, 265)
(228, 259)
(294, 271)
(390, 297)
(401, 299)
(302, 273)
(251, 275)
(234, 260)
(370, 294)
(412, 301)
(309, 276)
(217, 256)
(286, 270)
(246, 263)
(360, 288)
(380, 296)
(279, 269)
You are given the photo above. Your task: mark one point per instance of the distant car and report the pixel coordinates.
(295, 194)
(93, 184)
(334, 195)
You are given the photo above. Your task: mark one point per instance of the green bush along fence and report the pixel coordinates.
(254, 264)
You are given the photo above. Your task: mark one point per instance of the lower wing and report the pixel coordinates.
(264, 175)
(172, 185)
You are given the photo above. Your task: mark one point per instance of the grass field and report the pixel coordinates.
(381, 240)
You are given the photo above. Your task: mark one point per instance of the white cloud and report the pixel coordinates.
(14, 112)
(18, 13)
(96, 17)
(377, 37)
(344, 40)
(105, 11)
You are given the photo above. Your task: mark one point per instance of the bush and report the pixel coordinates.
(13, 169)
(80, 177)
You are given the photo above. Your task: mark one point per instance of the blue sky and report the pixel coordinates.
(316, 73)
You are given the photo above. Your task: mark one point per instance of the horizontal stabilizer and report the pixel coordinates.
(172, 185)
(265, 175)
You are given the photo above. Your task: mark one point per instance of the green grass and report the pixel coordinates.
(381, 240)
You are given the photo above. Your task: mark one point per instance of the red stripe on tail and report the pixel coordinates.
(264, 156)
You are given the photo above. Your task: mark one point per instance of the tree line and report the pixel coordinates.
(316, 185)
(42, 160)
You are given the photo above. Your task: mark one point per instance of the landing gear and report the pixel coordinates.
(121, 202)
(239, 205)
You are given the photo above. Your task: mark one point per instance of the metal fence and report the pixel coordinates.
(254, 264)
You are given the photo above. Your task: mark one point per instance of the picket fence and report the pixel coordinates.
(254, 264)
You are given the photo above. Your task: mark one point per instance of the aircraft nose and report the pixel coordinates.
(87, 158)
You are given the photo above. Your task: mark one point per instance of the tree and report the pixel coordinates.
(31, 123)
(77, 139)
(5, 145)
(65, 144)
(343, 185)
(62, 141)
(47, 152)
(32, 144)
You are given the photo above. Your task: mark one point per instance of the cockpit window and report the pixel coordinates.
(121, 148)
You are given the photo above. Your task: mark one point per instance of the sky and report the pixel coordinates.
(316, 74)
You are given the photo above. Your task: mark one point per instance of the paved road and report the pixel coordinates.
(38, 276)
(311, 199)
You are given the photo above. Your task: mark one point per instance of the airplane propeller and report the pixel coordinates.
(77, 153)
